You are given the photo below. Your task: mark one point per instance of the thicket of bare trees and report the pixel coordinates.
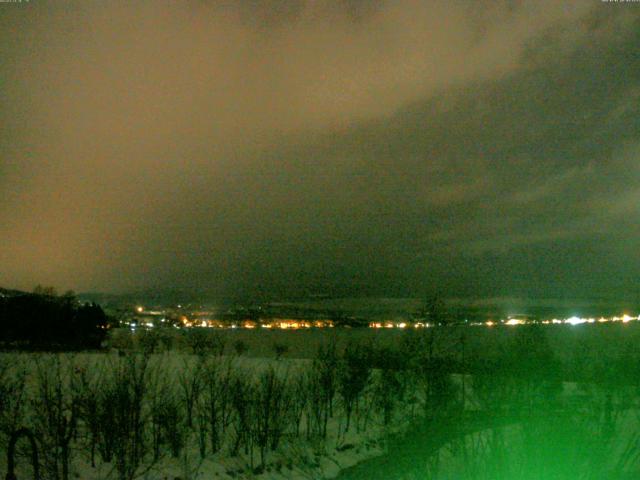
(55, 415)
(131, 411)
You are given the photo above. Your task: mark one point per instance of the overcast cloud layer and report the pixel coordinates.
(278, 148)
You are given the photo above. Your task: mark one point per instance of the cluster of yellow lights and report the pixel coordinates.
(287, 324)
(250, 324)
(515, 321)
(397, 325)
(297, 324)
(577, 320)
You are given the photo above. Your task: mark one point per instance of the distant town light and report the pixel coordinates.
(188, 318)
(575, 320)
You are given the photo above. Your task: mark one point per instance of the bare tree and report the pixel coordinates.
(168, 429)
(242, 395)
(271, 412)
(56, 413)
(12, 394)
(386, 392)
(215, 406)
(298, 386)
(353, 375)
(126, 392)
(87, 383)
(190, 379)
(322, 386)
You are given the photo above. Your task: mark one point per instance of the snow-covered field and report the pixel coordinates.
(256, 412)
(170, 415)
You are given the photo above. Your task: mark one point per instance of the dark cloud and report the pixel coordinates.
(357, 147)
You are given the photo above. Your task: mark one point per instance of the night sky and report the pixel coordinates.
(348, 147)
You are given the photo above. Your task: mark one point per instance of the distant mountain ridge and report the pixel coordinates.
(462, 308)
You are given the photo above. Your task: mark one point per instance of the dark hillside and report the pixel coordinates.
(42, 321)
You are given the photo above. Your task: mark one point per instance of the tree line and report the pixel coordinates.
(44, 320)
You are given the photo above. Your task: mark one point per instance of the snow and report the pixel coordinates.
(295, 458)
